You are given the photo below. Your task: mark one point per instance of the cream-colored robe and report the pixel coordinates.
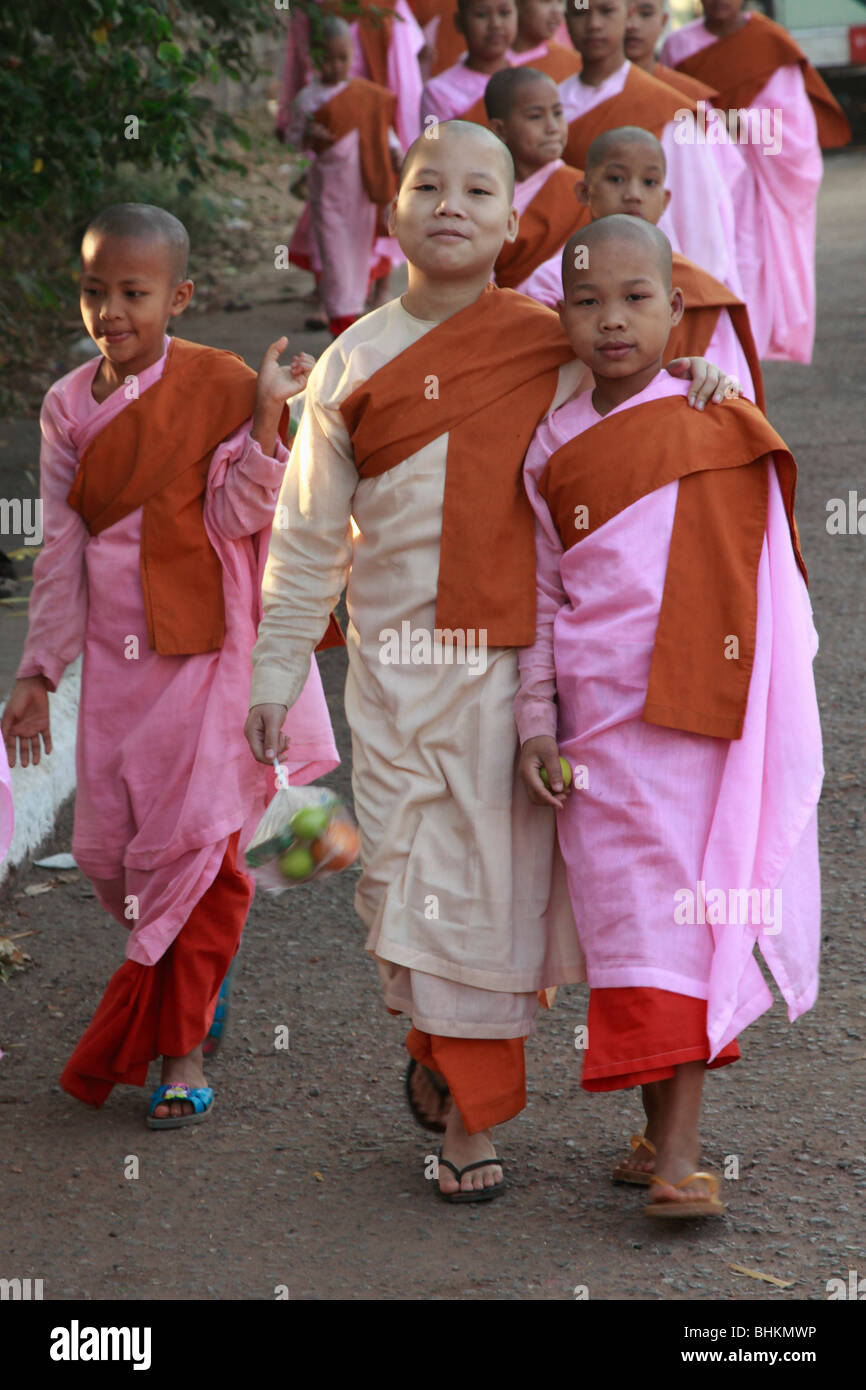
(462, 890)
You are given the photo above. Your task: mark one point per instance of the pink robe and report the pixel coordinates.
(452, 93)
(700, 221)
(664, 811)
(545, 282)
(165, 776)
(342, 220)
(7, 809)
(778, 211)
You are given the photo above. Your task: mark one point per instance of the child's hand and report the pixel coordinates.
(300, 367)
(318, 137)
(274, 386)
(25, 719)
(263, 732)
(535, 754)
(709, 383)
(276, 383)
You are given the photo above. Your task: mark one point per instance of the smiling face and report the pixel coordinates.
(535, 130)
(129, 291)
(538, 20)
(598, 31)
(646, 20)
(454, 208)
(630, 179)
(619, 309)
(489, 27)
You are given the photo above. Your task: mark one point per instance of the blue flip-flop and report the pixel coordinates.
(199, 1097)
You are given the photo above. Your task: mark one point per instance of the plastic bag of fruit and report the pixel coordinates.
(304, 833)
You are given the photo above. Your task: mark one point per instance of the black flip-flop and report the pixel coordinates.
(479, 1194)
(434, 1126)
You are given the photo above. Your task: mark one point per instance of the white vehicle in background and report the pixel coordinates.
(831, 33)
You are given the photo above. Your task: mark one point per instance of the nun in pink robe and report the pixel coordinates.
(165, 777)
(342, 220)
(777, 209)
(662, 810)
(403, 77)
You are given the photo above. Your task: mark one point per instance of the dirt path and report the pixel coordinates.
(311, 1174)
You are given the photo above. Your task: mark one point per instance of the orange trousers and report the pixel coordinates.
(639, 1035)
(166, 1009)
(486, 1076)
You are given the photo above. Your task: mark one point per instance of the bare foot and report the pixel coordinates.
(434, 1106)
(180, 1071)
(461, 1148)
(641, 1158)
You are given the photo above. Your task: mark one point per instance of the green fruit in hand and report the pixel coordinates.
(310, 822)
(566, 773)
(297, 862)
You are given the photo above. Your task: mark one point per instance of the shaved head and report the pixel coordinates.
(335, 28)
(503, 88)
(144, 222)
(636, 237)
(490, 148)
(603, 146)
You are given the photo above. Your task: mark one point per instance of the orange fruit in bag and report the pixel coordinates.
(340, 846)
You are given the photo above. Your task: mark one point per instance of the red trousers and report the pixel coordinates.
(486, 1076)
(637, 1036)
(166, 1009)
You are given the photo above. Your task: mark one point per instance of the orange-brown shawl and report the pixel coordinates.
(721, 458)
(486, 376)
(369, 109)
(545, 226)
(740, 64)
(705, 298)
(643, 101)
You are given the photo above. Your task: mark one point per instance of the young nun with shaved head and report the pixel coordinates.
(538, 24)
(160, 469)
(525, 110)
(405, 486)
(625, 173)
(672, 667)
(646, 22)
(782, 114)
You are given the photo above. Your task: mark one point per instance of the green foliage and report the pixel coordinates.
(92, 84)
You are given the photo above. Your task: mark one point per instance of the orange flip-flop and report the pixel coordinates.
(636, 1176)
(670, 1209)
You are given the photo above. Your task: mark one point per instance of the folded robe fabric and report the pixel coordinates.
(740, 64)
(643, 101)
(721, 458)
(156, 454)
(545, 226)
(371, 110)
(682, 82)
(487, 376)
(145, 458)
(705, 298)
